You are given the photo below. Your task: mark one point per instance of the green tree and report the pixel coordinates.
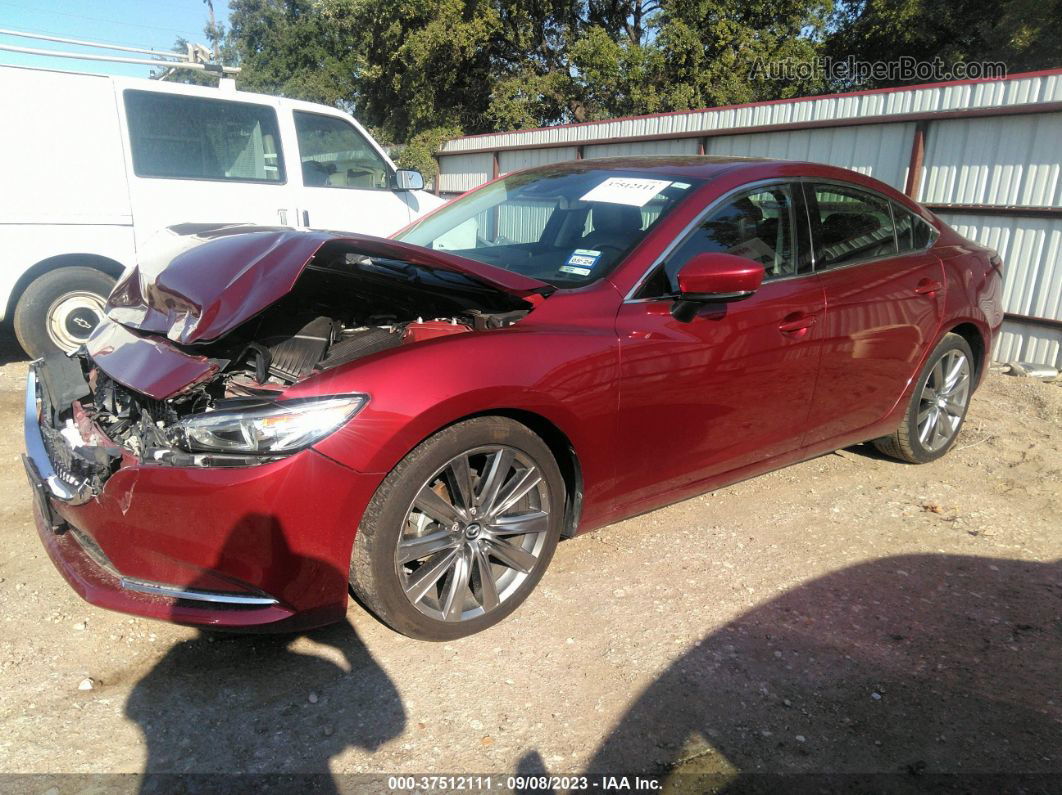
(1023, 34)
(414, 68)
(293, 48)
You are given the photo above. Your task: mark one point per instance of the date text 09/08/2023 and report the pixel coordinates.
(520, 783)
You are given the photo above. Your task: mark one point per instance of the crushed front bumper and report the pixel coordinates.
(44, 476)
(235, 547)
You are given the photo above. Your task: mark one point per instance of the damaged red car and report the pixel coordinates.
(269, 418)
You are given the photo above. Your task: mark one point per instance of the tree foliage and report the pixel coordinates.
(1022, 34)
(417, 71)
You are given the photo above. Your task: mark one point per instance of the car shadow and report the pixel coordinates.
(10, 350)
(868, 450)
(277, 707)
(902, 674)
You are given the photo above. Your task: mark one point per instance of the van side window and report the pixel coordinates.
(335, 155)
(181, 137)
(851, 225)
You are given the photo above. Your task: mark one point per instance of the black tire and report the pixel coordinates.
(905, 444)
(73, 291)
(374, 571)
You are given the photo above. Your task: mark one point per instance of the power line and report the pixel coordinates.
(185, 34)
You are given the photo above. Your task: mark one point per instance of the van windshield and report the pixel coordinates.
(565, 227)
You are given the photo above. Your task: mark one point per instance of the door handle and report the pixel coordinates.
(306, 218)
(928, 287)
(796, 323)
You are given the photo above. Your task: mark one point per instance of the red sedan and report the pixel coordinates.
(270, 417)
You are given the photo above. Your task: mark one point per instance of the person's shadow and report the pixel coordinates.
(912, 673)
(280, 706)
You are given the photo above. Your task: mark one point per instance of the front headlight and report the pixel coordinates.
(279, 427)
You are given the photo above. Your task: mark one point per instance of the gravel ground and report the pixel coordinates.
(847, 615)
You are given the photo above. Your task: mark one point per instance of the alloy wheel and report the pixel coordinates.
(474, 532)
(942, 403)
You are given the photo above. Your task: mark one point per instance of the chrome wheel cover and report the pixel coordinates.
(942, 404)
(474, 532)
(72, 318)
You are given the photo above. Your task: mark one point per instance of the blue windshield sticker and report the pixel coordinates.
(581, 262)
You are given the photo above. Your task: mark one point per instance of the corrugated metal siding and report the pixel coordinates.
(675, 146)
(1010, 91)
(522, 223)
(1026, 342)
(1031, 249)
(528, 158)
(464, 172)
(1011, 160)
(878, 150)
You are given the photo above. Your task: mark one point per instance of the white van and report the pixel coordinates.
(91, 166)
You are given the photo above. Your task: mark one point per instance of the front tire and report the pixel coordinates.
(59, 310)
(461, 531)
(938, 405)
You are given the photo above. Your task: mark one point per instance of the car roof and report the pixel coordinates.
(693, 166)
(707, 167)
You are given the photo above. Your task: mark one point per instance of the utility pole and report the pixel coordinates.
(215, 39)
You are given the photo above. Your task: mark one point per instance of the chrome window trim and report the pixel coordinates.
(807, 184)
(693, 224)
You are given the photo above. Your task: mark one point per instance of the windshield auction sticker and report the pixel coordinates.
(626, 190)
(581, 261)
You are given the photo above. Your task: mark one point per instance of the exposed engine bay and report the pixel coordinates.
(343, 307)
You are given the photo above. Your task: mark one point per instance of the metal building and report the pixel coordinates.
(985, 155)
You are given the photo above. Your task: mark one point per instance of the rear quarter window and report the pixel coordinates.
(180, 137)
(912, 233)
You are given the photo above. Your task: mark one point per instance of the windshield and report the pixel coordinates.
(565, 227)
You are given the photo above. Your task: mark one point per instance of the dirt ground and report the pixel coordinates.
(849, 615)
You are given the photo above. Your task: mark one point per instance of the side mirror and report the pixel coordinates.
(407, 179)
(714, 278)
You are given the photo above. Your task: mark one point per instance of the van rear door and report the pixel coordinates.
(200, 158)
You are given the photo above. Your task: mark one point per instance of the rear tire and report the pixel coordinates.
(938, 405)
(59, 309)
(470, 556)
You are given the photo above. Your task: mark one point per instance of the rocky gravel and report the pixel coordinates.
(849, 615)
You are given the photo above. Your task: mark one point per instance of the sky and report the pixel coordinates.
(152, 24)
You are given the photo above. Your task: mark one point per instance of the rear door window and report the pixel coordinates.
(181, 137)
(851, 225)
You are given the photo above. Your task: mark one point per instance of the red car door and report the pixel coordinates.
(883, 307)
(732, 386)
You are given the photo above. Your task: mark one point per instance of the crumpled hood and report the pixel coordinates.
(201, 281)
